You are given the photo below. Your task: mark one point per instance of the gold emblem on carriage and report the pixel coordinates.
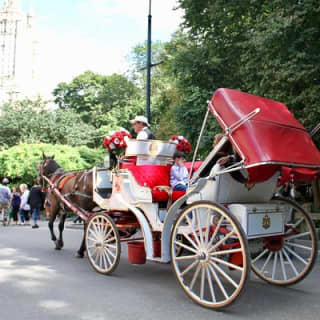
(153, 149)
(266, 222)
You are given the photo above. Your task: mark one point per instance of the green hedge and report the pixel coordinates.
(19, 163)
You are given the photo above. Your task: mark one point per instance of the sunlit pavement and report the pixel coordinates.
(38, 282)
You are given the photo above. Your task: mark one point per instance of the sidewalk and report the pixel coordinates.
(68, 224)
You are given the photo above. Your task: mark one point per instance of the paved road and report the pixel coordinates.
(37, 282)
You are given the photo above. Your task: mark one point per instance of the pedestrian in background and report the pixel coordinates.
(15, 201)
(36, 198)
(5, 195)
(24, 206)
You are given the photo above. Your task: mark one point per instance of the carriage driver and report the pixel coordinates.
(141, 127)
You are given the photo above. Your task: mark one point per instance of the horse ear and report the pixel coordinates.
(43, 155)
(52, 157)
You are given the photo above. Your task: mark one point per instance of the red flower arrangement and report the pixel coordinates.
(116, 141)
(182, 143)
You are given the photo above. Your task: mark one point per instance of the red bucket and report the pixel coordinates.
(157, 248)
(136, 252)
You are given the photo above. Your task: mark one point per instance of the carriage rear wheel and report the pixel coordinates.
(214, 265)
(286, 260)
(103, 243)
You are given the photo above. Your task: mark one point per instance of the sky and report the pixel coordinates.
(79, 35)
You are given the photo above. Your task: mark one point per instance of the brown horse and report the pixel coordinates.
(75, 187)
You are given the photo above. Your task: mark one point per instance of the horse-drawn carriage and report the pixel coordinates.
(223, 226)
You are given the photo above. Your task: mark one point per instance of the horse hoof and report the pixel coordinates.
(59, 245)
(79, 255)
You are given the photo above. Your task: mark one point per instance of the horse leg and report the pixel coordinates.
(80, 252)
(52, 209)
(51, 227)
(59, 242)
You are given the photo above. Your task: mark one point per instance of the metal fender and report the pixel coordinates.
(145, 227)
(171, 217)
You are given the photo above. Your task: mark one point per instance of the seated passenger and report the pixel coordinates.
(179, 176)
(221, 155)
(227, 157)
(141, 128)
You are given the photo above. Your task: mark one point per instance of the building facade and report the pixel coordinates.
(18, 53)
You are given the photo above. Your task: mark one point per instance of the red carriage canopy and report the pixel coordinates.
(268, 140)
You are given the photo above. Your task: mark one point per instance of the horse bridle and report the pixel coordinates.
(49, 175)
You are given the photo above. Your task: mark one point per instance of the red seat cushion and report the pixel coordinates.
(153, 176)
(150, 175)
(162, 196)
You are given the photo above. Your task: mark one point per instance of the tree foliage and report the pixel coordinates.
(94, 96)
(30, 121)
(164, 95)
(19, 163)
(268, 48)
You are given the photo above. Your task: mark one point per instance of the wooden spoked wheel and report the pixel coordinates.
(287, 259)
(103, 243)
(214, 265)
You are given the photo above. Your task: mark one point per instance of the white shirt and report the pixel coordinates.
(142, 135)
(24, 200)
(178, 175)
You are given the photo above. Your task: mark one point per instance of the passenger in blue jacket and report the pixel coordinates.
(179, 176)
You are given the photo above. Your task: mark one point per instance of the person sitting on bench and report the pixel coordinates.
(227, 157)
(179, 176)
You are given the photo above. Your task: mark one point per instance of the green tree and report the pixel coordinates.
(138, 61)
(163, 90)
(29, 121)
(120, 117)
(268, 48)
(93, 96)
(282, 55)
(19, 163)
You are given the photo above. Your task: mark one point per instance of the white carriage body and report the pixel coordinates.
(250, 204)
(119, 190)
(154, 152)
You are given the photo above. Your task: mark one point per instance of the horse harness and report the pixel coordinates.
(60, 180)
(79, 178)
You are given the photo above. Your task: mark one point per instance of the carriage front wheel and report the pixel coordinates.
(103, 243)
(287, 259)
(215, 265)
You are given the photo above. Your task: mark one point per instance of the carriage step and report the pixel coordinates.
(158, 260)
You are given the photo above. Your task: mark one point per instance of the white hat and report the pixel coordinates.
(142, 119)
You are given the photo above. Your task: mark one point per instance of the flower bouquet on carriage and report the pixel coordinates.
(182, 144)
(116, 143)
